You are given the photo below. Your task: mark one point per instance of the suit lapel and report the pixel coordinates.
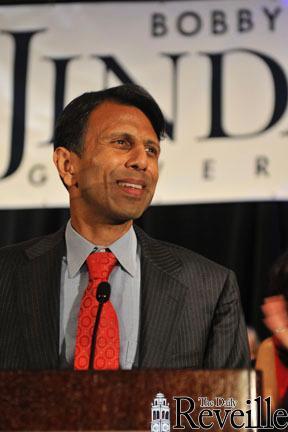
(162, 298)
(38, 300)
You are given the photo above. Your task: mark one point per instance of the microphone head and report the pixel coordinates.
(103, 292)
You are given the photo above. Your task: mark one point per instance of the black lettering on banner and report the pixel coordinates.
(171, 127)
(60, 65)
(37, 175)
(261, 167)
(216, 130)
(218, 22)
(208, 169)
(245, 21)
(279, 86)
(22, 42)
(158, 25)
(189, 23)
(272, 15)
(111, 64)
(185, 413)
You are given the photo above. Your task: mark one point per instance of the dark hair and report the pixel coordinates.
(72, 122)
(279, 276)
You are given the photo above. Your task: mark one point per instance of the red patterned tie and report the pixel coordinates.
(100, 265)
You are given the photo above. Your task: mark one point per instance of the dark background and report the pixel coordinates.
(246, 237)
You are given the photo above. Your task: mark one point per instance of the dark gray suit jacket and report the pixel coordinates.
(191, 315)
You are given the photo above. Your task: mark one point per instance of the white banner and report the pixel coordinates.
(218, 69)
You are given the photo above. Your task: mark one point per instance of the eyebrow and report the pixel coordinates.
(128, 136)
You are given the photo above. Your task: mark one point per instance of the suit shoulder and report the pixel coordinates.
(15, 251)
(172, 257)
(189, 257)
(204, 277)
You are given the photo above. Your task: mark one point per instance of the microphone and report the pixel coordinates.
(102, 296)
(103, 292)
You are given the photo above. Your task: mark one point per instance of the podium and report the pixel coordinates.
(118, 400)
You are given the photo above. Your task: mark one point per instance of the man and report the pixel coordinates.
(175, 308)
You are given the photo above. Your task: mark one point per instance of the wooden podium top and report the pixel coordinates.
(120, 400)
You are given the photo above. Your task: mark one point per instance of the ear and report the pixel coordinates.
(65, 162)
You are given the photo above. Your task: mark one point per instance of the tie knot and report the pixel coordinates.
(100, 265)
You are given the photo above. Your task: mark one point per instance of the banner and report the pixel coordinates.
(218, 69)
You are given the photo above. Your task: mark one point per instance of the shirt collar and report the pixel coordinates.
(78, 249)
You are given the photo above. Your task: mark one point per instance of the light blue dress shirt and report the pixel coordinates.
(125, 292)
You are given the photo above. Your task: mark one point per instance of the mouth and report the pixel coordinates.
(132, 187)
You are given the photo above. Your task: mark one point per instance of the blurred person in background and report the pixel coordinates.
(275, 310)
(253, 341)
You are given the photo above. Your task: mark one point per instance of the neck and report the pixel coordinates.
(102, 234)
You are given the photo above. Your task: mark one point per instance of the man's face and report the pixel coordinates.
(117, 172)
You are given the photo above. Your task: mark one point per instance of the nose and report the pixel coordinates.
(138, 158)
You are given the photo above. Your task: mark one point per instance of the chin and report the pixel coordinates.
(128, 216)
